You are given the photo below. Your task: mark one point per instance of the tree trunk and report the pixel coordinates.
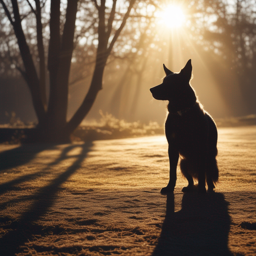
(83, 110)
(59, 62)
(30, 74)
(40, 47)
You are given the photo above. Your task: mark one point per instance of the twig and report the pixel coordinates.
(7, 12)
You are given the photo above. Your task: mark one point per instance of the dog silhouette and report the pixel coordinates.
(190, 132)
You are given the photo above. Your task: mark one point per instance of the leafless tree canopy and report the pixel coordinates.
(56, 45)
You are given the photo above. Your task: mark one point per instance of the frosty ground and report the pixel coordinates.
(102, 198)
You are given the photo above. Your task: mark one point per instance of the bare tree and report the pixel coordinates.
(52, 115)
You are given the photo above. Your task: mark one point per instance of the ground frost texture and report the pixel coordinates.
(103, 198)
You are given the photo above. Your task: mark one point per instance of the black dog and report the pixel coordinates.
(190, 132)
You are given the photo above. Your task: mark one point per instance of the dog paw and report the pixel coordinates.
(210, 190)
(166, 190)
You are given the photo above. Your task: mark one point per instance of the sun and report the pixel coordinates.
(172, 16)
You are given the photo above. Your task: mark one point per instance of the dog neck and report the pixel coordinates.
(182, 111)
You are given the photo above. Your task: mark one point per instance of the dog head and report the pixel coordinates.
(175, 87)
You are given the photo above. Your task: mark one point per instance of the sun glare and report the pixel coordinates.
(172, 16)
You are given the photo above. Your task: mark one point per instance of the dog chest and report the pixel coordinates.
(188, 132)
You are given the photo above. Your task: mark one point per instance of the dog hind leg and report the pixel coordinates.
(212, 174)
(184, 166)
(210, 184)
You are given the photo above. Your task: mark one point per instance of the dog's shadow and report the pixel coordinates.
(201, 227)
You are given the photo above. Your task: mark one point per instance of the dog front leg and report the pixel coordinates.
(173, 159)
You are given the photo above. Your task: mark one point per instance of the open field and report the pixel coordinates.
(102, 198)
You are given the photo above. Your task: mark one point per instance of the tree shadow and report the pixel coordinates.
(201, 227)
(25, 228)
(21, 155)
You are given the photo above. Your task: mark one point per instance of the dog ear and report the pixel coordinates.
(167, 71)
(187, 71)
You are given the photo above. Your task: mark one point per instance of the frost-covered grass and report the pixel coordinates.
(102, 198)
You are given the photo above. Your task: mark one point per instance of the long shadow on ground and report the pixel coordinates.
(24, 228)
(201, 227)
(21, 155)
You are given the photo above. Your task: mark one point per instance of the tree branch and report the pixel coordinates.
(7, 12)
(96, 4)
(42, 6)
(121, 26)
(54, 43)
(30, 69)
(40, 48)
(31, 7)
(102, 29)
(84, 30)
(111, 18)
(25, 16)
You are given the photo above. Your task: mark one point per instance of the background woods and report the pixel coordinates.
(52, 112)
(68, 51)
